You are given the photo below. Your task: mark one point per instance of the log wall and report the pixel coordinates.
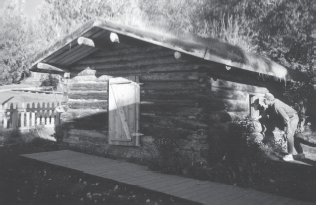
(178, 97)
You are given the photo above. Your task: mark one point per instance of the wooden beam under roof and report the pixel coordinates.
(44, 66)
(99, 43)
(86, 42)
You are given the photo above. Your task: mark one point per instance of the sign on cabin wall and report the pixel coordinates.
(124, 98)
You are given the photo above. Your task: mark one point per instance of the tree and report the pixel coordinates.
(15, 42)
(278, 29)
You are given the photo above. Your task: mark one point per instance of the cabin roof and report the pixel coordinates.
(66, 51)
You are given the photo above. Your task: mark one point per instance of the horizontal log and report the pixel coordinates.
(51, 68)
(189, 124)
(87, 104)
(85, 119)
(191, 103)
(175, 123)
(141, 69)
(237, 86)
(190, 95)
(228, 94)
(168, 93)
(87, 133)
(178, 111)
(152, 129)
(87, 71)
(239, 76)
(140, 55)
(164, 59)
(179, 76)
(88, 95)
(122, 50)
(170, 86)
(88, 85)
(86, 140)
(90, 78)
(37, 70)
(167, 109)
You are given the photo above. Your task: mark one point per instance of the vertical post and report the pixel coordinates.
(57, 115)
(27, 115)
(48, 112)
(38, 114)
(65, 88)
(43, 114)
(14, 115)
(33, 115)
(53, 114)
(5, 119)
(22, 115)
(137, 103)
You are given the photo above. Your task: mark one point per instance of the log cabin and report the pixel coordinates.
(126, 86)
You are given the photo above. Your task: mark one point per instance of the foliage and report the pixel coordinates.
(50, 80)
(217, 143)
(297, 94)
(236, 159)
(14, 41)
(168, 157)
(282, 31)
(245, 159)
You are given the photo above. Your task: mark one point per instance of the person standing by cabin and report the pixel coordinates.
(290, 118)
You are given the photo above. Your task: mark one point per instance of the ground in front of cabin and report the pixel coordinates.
(26, 181)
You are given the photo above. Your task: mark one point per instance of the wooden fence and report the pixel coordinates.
(16, 116)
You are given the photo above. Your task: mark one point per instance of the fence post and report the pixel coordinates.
(57, 121)
(52, 119)
(43, 114)
(38, 114)
(33, 115)
(23, 115)
(27, 115)
(14, 116)
(5, 119)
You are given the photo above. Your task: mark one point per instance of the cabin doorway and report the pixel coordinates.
(124, 98)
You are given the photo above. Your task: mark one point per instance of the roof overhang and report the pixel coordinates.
(66, 51)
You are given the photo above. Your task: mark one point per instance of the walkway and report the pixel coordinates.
(204, 192)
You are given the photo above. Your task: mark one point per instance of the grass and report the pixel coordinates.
(27, 97)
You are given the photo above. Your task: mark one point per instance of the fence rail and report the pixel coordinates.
(15, 116)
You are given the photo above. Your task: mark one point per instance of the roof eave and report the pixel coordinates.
(194, 49)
